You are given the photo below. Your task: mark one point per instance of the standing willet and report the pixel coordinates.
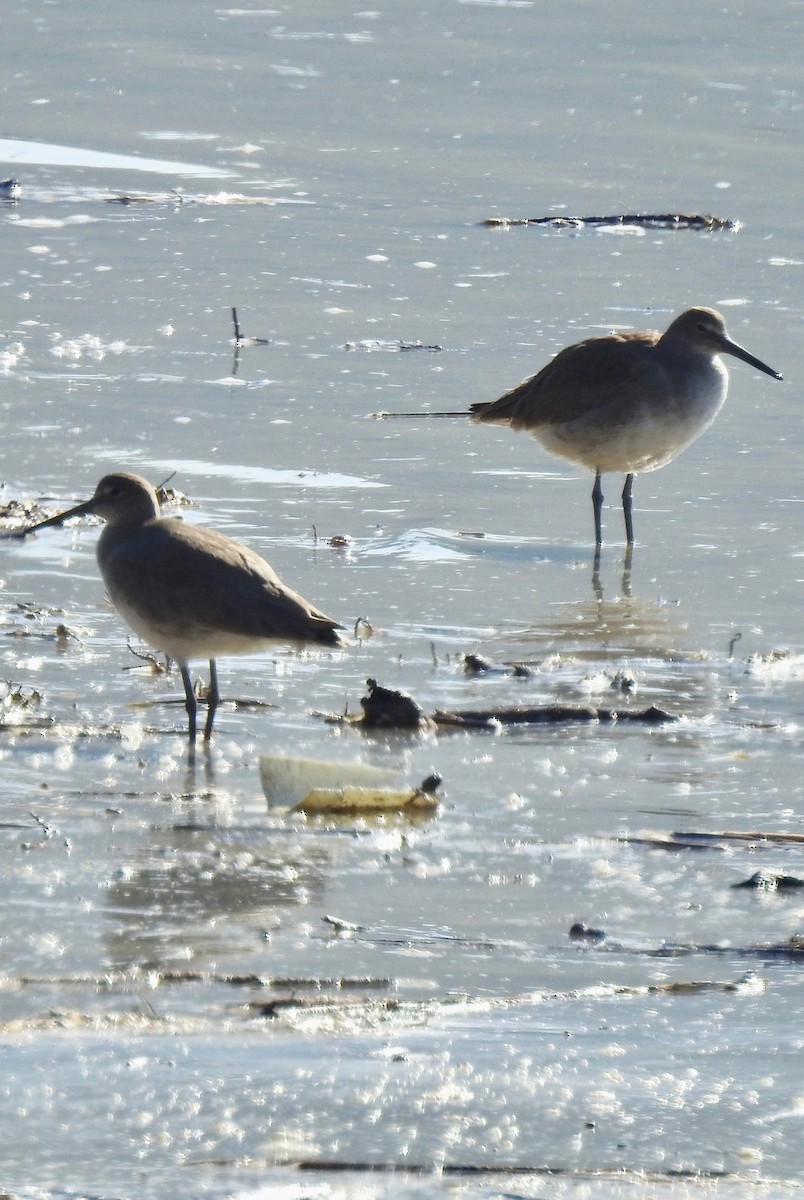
(191, 592)
(628, 402)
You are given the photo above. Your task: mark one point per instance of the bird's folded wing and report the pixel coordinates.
(582, 378)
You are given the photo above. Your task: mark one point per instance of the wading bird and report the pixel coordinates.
(628, 402)
(191, 592)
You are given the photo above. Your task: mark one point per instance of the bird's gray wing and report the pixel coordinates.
(184, 576)
(581, 378)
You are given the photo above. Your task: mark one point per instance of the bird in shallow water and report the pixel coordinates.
(628, 402)
(188, 591)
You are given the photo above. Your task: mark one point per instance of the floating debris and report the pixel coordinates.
(313, 785)
(494, 1167)
(548, 714)
(340, 926)
(432, 783)
(172, 497)
(63, 636)
(21, 512)
(792, 949)
(35, 513)
(351, 800)
(583, 933)
(158, 664)
(286, 780)
(129, 199)
(641, 220)
(623, 681)
(776, 665)
(475, 664)
(240, 338)
(16, 699)
(734, 835)
(386, 708)
(769, 881)
(46, 831)
(717, 840)
(372, 345)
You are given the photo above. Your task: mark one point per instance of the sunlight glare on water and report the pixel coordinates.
(553, 981)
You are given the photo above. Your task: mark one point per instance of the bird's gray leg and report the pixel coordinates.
(597, 585)
(627, 560)
(190, 702)
(597, 505)
(213, 699)
(629, 521)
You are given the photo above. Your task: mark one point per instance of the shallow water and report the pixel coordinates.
(176, 1013)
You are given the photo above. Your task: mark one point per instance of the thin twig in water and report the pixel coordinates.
(241, 339)
(150, 659)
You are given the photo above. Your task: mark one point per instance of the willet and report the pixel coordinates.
(188, 591)
(628, 402)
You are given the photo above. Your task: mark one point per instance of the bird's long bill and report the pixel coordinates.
(733, 348)
(59, 519)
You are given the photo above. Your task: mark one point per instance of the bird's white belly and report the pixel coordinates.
(633, 442)
(184, 640)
